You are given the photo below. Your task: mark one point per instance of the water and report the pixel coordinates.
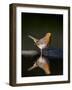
(55, 65)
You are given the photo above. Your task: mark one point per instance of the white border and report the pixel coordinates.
(63, 77)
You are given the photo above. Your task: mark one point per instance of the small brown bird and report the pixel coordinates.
(43, 42)
(43, 64)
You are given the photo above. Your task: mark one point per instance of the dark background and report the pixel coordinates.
(38, 25)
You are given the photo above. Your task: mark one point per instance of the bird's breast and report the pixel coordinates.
(41, 46)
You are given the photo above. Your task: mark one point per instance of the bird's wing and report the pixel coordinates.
(32, 67)
(34, 39)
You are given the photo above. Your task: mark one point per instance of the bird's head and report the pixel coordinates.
(48, 34)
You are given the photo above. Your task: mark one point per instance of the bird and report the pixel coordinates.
(43, 42)
(42, 63)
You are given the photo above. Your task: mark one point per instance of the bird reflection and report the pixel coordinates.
(42, 63)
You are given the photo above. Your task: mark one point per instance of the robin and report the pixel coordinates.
(43, 64)
(43, 42)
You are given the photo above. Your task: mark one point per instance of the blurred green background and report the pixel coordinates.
(38, 25)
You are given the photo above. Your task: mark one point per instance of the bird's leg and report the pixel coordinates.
(32, 67)
(41, 52)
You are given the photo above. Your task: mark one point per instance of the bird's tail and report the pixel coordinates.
(32, 67)
(34, 39)
(29, 69)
